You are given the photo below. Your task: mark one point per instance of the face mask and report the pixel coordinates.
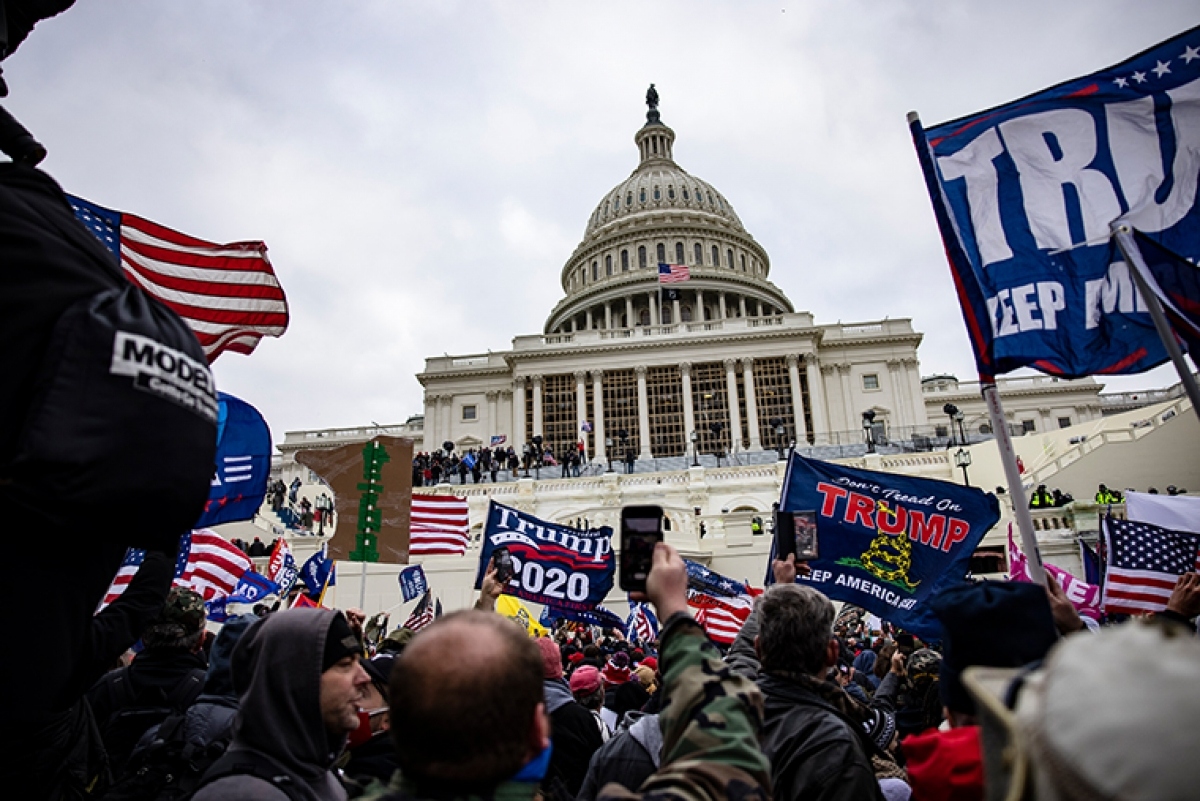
(363, 732)
(535, 769)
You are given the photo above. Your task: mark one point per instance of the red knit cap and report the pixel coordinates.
(551, 658)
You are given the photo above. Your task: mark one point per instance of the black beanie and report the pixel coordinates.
(340, 643)
(992, 623)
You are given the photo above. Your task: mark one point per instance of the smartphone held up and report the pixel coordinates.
(641, 530)
(796, 533)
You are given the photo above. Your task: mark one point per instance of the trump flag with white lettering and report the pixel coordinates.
(1026, 194)
(888, 542)
(554, 565)
(244, 449)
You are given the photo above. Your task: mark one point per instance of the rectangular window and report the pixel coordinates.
(773, 399)
(469, 412)
(559, 422)
(1064, 422)
(1028, 426)
(710, 408)
(621, 412)
(871, 381)
(941, 431)
(664, 397)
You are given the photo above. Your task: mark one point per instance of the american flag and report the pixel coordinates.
(423, 615)
(722, 618)
(1144, 563)
(125, 573)
(213, 566)
(227, 294)
(439, 525)
(673, 273)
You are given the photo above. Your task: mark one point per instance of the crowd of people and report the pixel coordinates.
(498, 464)
(314, 703)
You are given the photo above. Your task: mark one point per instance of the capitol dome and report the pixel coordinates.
(662, 214)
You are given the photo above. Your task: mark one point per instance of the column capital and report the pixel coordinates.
(826, 369)
(894, 364)
(793, 360)
(446, 399)
(492, 394)
(537, 381)
(844, 368)
(730, 364)
(597, 375)
(910, 361)
(506, 393)
(640, 370)
(685, 369)
(580, 376)
(747, 362)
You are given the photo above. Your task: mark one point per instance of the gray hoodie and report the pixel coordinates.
(277, 673)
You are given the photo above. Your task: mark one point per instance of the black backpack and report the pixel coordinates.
(107, 401)
(133, 716)
(250, 763)
(170, 767)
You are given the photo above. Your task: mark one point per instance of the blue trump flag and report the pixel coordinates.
(555, 565)
(1025, 195)
(413, 583)
(243, 463)
(316, 572)
(888, 542)
(604, 618)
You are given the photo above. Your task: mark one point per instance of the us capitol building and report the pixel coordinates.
(726, 366)
(708, 384)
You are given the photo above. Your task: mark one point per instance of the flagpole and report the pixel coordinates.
(325, 586)
(1016, 491)
(1133, 256)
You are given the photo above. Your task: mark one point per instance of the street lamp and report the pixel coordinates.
(962, 432)
(608, 443)
(962, 458)
(868, 418)
(951, 410)
(777, 424)
(695, 438)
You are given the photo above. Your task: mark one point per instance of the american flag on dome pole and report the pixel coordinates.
(673, 273)
(227, 294)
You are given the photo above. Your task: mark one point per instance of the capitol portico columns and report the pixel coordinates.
(689, 414)
(607, 316)
(793, 365)
(537, 405)
(581, 408)
(445, 418)
(731, 397)
(751, 404)
(843, 369)
(816, 394)
(493, 420)
(643, 413)
(598, 414)
(675, 317)
(721, 304)
(628, 312)
(520, 435)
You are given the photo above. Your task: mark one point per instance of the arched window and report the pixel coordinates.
(685, 194)
(642, 195)
(729, 257)
(606, 208)
(657, 194)
(698, 252)
(670, 193)
(665, 314)
(628, 198)
(743, 257)
(644, 317)
(679, 253)
(624, 261)
(710, 198)
(716, 262)
(641, 257)
(595, 270)
(685, 314)
(662, 253)
(608, 264)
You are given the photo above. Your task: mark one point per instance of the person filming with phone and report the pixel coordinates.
(469, 717)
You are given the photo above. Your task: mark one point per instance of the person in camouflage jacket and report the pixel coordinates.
(711, 717)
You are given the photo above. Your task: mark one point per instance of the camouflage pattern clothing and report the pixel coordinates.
(711, 719)
(182, 616)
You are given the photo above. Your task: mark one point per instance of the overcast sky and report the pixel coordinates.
(421, 170)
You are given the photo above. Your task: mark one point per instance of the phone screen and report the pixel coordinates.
(502, 559)
(641, 530)
(804, 525)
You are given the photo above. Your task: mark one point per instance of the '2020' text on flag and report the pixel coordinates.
(1144, 563)
(227, 294)
(439, 525)
(1026, 194)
